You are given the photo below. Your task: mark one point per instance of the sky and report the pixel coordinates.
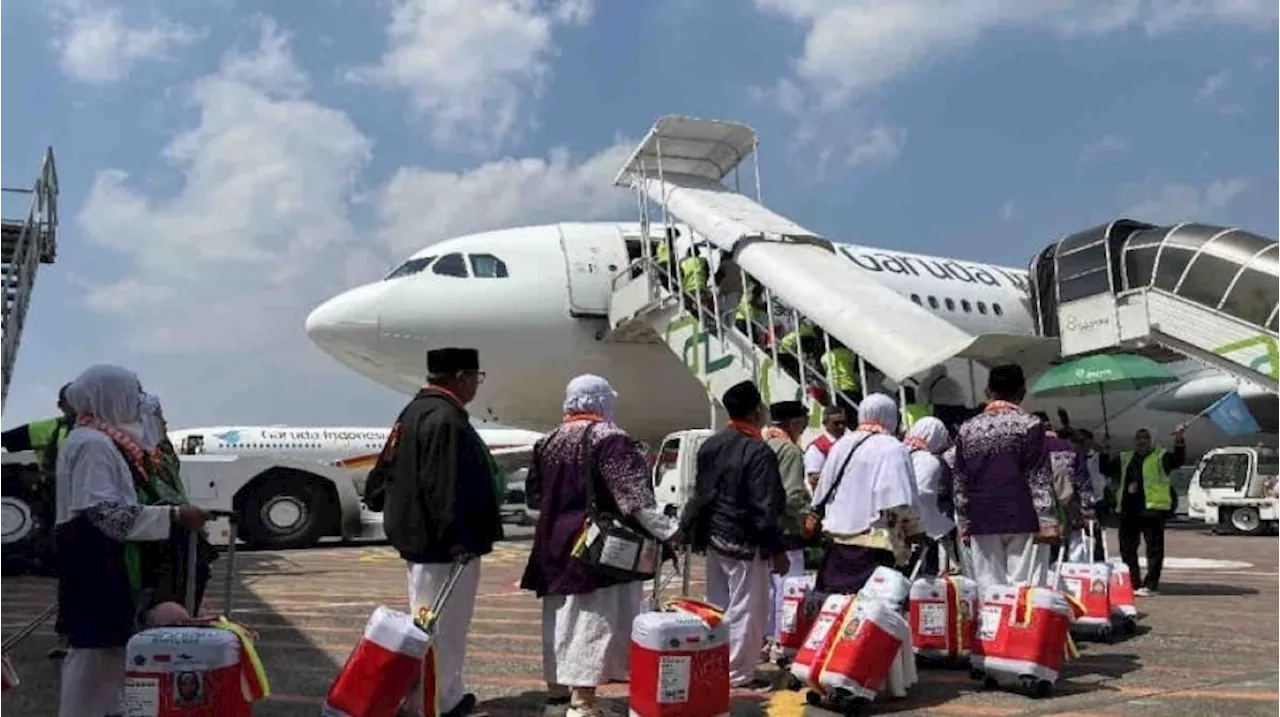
(225, 165)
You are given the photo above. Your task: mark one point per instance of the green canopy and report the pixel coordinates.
(1090, 375)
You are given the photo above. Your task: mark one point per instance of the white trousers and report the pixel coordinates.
(796, 570)
(1008, 558)
(91, 682)
(741, 587)
(425, 581)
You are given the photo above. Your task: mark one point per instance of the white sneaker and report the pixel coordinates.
(599, 709)
(1143, 592)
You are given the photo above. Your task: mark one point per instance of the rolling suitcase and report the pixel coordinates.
(866, 650)
(388, 661)
(1088, 582)
(806, 668)
(942, 613)
(195, 671)
(793, 620)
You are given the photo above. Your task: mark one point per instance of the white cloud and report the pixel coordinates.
(470, 65)
(855, 47)
(880, 144)
(418, 205)
(1007, 210)
(1212, 85)
(1108, 146)
(95, 45)
(1174, 202)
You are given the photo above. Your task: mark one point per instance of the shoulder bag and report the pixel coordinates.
(608, 544)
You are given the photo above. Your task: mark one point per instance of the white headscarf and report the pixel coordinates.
(929, 471)
(152, 432)
(112, 394)
(880, 410)
(590, 394)
(879, 476)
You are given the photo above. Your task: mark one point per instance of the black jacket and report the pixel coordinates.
(738, 498)
(440, 499)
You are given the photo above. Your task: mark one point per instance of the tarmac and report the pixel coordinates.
(1207, 644)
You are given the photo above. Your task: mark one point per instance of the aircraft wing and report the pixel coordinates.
(513, 459)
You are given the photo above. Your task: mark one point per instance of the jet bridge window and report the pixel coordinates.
(451, 265)
(411, 267)
(488, 266)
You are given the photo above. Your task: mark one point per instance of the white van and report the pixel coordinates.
(1235, 488)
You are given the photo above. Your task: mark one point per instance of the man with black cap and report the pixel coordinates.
(441, 507)
(733, 518)
(1003, 484)
(787, 420)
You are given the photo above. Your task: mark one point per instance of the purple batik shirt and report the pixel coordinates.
(1003, 476)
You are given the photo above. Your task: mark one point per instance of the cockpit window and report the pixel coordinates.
(411, 267)
(451, 265)
(488, 266)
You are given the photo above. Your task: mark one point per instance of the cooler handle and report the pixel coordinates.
(428, 624)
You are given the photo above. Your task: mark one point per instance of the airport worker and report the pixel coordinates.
(1004, 486)
(695, 272)
(752, 313)
(44, 438)
(663, 252)
(926, 441)
(734, 518)
(866, 498)
(788, 421)
(98, 518)
(586, 612)
(841, 364)
(1143, 500)
(834, 422)
(442, 507)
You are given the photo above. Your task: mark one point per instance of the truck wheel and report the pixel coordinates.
(1245, 520)
(17, 521)
(283, 514)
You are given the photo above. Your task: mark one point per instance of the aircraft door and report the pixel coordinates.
(592, 254)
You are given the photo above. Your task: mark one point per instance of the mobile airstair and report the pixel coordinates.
(25, 244)
(680, 168)
(1206, 292)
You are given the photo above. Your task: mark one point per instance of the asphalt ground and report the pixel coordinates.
(1208, 644)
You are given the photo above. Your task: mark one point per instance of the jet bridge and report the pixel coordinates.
(25, 244)
(1207, 292)
(680, 168)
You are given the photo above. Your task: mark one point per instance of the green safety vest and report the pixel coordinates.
(1155, 482)
(46, 437)
(915, 411)
(662, 253)
(791, 342)
(748, 311)
(694, 272)
(841, 365)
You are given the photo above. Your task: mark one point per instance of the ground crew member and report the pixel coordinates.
(841, 365)
(754, 310)
(794, 346)
(442, 502)
(1144, 499)
(662, 254)
(694, 274)
(44, 438)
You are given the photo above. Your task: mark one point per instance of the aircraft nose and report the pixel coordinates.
(347, 322)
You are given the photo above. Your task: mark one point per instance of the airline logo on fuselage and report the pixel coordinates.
(941, 269)
(305, 434)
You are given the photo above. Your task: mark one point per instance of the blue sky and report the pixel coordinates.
(226, 165)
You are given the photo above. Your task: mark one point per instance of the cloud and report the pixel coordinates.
(1174, 202)
(96, 46)
(470, 65)
(1007, 210)
(1212, 85)
(418, 206)
(880, 144)
(853, 48)
(1106, 147)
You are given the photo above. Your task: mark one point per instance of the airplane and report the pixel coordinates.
(507, 293)
(353, 448)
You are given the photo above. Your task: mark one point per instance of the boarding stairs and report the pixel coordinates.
(25, 244)
(680, 168)
(1206, 292)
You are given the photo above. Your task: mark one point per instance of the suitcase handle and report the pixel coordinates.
(442, 598)
(1092, 531)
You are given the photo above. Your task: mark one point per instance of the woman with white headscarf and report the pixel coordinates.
(98, 518)
(867, 495)
(926, 441)
(586, 616)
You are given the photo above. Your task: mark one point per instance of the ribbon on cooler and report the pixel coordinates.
(1023, 608)
(850, 613)
(1078, 610)
(955, 641)
(252, 672)
(430, 669)
(710, 615)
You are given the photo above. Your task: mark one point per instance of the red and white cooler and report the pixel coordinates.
(381, 670)
(865, 650)
(187, 672)
(807, 666)
(942, 613)
(887, 585)
(1123, 605)
(680, 663)
(792, 624)
(1090, 585)
(1022, 631)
